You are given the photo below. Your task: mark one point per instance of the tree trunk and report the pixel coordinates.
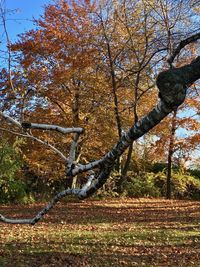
(116, 104)
(114, 91)
(72, 181)
(128, 160)
(130, 149)
(170, 155)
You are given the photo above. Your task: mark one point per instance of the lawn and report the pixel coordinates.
(123, 232)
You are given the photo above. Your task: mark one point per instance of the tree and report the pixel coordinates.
(11, 187)
(172, 84)
(177, 137)
(135, 45)
(62, 62)
(54, 77)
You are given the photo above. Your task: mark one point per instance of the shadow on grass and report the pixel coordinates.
(126, 256)
(94, 212)
(44, 259)
(104, 233)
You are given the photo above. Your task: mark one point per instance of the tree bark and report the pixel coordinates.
(116, 103)
(173, 83)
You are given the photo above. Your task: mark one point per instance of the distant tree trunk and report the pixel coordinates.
(116, 106)
(114, 91)
(170, 155)
(71, 182)
(130, 149)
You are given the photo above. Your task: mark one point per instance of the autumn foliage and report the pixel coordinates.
(93, 65)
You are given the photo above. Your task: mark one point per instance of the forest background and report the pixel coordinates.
(93, 65)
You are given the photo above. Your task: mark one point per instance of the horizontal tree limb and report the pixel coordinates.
(44, 211)
(30, 136)
(106, 163)
(51, 127)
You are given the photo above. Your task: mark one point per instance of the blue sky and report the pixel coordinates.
(23, 13)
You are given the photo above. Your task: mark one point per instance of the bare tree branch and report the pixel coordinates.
(50, 127)
(181, 45)
(72, 152)
(2, 14)
(10, 119)
(44, 211)
(51, 204)
(28, 135)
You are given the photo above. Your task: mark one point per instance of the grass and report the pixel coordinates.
(125, 232)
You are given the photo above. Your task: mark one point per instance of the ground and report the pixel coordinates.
(120, 232)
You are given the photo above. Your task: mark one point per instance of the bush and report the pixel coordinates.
(158, 167)
(109, 189)
(195, 173)
(154, 185)
(140, 186)
(185, 186)
(12, 189)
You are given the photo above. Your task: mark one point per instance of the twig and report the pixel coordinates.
(10, 119)
(27, 135)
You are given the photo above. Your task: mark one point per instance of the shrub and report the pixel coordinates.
(185, 186)
(195, 173)
(12, 189)
(109, 189)
(154, 185)
(140, 186)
